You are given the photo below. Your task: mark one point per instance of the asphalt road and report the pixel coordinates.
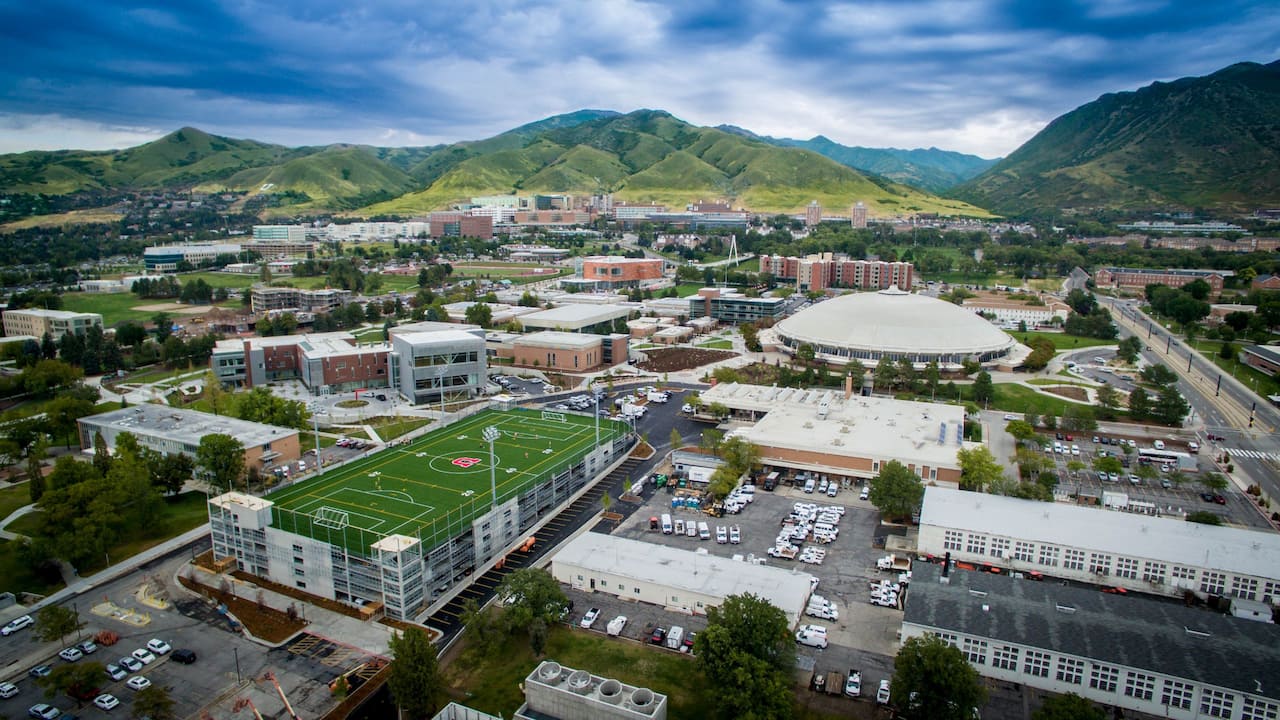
(1220, 407)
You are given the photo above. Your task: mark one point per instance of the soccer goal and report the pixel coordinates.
(553, 415)
(331, 518)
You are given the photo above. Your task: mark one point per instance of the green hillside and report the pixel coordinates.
(337, 177)
(1207, 142)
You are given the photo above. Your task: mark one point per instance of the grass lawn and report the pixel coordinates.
(490, 683)
(717, 344)
(1012, 397)
(226, 280)
(1061, 340)
(390, 428)
(1262, 383)
(13, 497)
(1050, 382)
(307, 441)
(436, 485)
(113, 307)
(687, 289)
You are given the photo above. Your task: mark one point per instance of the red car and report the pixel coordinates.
(659, 634)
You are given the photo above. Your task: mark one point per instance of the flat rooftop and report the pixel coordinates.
(554, 339)
(315, 339)
(711, 575)
(185, 426)
(438, 336)
(433, 487)
(1160, 636)
(54, 314)
(867, 427)
(574, 317)
(1177, 542)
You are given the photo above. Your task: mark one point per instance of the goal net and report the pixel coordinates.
(331, 518)
(553, 415)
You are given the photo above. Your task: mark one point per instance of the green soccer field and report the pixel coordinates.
(437, 483)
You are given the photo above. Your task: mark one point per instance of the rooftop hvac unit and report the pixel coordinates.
(641, 700)
(611, 691)
(549, 673)
(579, 682)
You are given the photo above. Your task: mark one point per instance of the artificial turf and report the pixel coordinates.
(438, 483)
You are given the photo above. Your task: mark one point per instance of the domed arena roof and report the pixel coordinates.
(894, 322)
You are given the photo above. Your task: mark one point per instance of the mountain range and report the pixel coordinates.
(1199, 142)
(1209, 142)
(644, 156)
(928, 169)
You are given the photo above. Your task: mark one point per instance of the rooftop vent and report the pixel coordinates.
(579, 681)
(1066, 609)
(611, 691)
(641, 700)
(549, 673)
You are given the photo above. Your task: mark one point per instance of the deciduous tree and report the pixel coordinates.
(55, 622)
(415, 682)
(933, 681)
(978, 468)
(748, 654)
(1068, 707)
(222, 458)
(896, 491)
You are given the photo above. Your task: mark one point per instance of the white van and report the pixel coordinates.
(704, 531)
(675, 637)
(666, 524)
(808, 486)
(1159, 444)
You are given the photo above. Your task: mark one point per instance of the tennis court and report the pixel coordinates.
(442, 477)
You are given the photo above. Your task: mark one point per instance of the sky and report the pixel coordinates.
(974, 76)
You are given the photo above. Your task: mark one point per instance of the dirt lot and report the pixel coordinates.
(679, 358)
(1072, 393)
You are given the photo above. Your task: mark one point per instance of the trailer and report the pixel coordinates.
(896, 563)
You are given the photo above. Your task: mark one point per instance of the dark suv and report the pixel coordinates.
(184, 656)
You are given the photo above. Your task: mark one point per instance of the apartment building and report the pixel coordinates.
(265, 299)
(1008, 313)
(35, 322)
(459, 224)
(1137, 279)
(829, 270)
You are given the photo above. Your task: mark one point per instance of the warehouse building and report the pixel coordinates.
(845, 435)
(1161, 556)
(675, 579)
(1137, 654)
(173, 430)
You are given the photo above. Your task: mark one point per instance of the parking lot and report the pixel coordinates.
(864, 637)
(1168, 492)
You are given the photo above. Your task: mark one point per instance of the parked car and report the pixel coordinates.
(8, 690)
(107, 701)
(70, 654)
(735, 536)
(138, 682)
(115, 672)
(40, 671)
(882, 694)
(590, 618)
(130, 663)
(853, 684)
(88, 647)
(144, 656)
(158, 646)
(184, 656)
(45, 711)
(658, 636)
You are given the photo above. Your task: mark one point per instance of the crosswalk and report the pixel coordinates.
(1254, 454)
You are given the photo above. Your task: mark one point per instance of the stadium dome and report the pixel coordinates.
(894, 324)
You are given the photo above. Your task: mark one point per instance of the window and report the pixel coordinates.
(1272, 592)
(1259, 710)
(1103, 677)
(947, 638)
(299, 572)
(1154, 572)
(1070, 670)
(1049, 555)
(1127, 568)
(977, 544)
(1099, 564)
(1213, 583)
(975, 651)
(297, 560)
(1184, 573)
(1005, 658)
(621, 586)
(296, 548)
(952, 540)
(1244, 588)
(999, 547)
(1216, 703)
(300, 584)
(1073, 559)
(1037, 664)
(637, 591)
(1176, 694)
(1139, 685)
(1024, 551)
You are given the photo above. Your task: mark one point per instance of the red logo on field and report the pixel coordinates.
(466, 462)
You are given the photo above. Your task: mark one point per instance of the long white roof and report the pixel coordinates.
(708, 575)
(1177, 542)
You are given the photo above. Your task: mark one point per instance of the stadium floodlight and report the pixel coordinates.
(492, 433)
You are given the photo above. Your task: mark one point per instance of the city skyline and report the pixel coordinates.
(974, 76)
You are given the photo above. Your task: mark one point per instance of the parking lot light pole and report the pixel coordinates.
(492, 433)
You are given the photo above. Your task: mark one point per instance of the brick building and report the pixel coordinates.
(825, 270)
(330, 360)
(459, 224)
(610, 272)
(1137, 279)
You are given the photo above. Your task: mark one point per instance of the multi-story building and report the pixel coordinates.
(324, 362)
(1266, 282)
(433, 366)
(534, 253)
(35, 322)
(166, 258)
(1158, 555)
(573, 352)
(813, 214)
(827, 270)
(734, 308)
(280, 233)
(1132, 653)
(1203, 228)
(1137, 279)
(282, 241)
(610, 272)
(577, 318)
(1008, 313)
(631, 212)
(459, 224)
(171, 431)
(858, 215)
(264, 299)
